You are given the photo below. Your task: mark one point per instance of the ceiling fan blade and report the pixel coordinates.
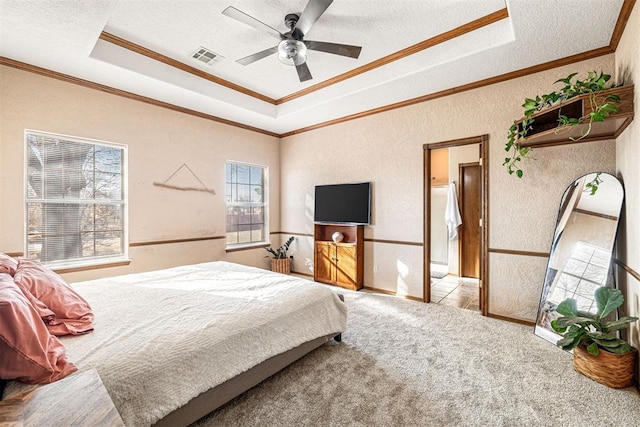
(239, 15)
(303, 72)
(257, 56)
(312, 11)
(335, 48)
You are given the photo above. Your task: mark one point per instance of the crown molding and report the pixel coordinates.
(623, 18)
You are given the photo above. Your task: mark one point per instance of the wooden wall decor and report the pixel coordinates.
(182, 188)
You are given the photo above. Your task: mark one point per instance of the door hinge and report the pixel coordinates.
(480, 161)
(480, 222)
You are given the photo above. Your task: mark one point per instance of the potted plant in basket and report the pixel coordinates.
(280, 263)
(597, 351)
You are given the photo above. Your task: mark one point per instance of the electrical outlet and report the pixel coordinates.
(375, 269)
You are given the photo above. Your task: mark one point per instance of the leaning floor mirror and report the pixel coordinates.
(582, 247)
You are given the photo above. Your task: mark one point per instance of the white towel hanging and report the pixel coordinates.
(452, 214)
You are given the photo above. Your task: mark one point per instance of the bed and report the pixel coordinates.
(173, 345)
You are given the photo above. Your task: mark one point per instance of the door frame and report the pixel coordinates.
(483, 140)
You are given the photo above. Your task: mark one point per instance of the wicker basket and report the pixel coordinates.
(611, 369)
(281, 265)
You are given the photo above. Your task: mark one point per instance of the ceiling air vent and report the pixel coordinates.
(207, 56)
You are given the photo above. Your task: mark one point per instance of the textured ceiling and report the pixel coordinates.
(64, 36)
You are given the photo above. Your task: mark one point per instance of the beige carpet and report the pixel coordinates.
(405, 363)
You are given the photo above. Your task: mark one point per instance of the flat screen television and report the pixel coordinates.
(343, 203)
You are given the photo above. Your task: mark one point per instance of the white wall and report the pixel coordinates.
(387, 149)
(628, 170)
(159, 141)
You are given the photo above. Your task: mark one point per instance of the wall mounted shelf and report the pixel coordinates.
(545, 131)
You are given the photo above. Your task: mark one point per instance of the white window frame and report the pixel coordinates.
(264, 204)
(124, 203)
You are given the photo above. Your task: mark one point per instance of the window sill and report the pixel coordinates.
(110, 264)
(246, 246)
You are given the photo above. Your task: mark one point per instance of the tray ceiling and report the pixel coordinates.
(410, 48)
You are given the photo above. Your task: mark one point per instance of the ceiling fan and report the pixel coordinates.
(292, 49)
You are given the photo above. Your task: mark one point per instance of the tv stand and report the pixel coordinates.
(341, 263)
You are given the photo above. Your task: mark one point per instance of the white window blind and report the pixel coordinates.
(246, 196)
(76, 200)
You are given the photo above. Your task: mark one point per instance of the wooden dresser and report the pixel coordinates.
(341, 263)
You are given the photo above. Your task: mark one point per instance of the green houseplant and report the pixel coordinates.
(280, 263)
(600, 108)
(598, 352)
(281, 252)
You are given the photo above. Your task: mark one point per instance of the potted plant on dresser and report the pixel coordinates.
(280, 262)
(598, 353)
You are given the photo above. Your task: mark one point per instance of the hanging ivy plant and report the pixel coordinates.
(601, 108)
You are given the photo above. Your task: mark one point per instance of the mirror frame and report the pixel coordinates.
(578, 252)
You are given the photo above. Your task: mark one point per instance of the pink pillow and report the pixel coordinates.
(28, 352)
(7, 264)
(71, 313)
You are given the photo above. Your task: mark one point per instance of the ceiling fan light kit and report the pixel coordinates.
(292, 52)
(292, 48)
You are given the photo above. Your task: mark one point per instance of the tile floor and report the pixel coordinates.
(456, 291)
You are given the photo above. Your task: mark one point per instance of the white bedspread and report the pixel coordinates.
(161, 338)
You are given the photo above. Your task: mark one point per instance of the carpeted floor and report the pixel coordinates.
(405, 363)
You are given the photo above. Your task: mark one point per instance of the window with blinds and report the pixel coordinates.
(76, 200)
(246, 196)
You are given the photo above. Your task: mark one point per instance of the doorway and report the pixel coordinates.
(455, 251)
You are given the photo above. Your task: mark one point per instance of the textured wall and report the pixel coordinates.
(628, 161)
(387, 149)
(159, 141)
(516, 285)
